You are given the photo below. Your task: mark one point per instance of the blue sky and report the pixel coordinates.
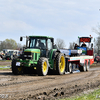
(64, 19)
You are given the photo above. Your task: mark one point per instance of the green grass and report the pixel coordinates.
(3, 67)
(93, 65)
(5, 60)
(92, 96)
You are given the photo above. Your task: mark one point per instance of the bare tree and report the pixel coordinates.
(60, 43)
(96, 30)
(0, 45)
(19, 46)
(95, 47)
(71, 46)
(97, 41)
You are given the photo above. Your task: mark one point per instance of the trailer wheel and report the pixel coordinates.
(88, 66)
(83, 68)
(16, 70)
(60, 64)
(70, 67)
(42, 67)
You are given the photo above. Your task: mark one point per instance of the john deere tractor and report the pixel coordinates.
(40, 54)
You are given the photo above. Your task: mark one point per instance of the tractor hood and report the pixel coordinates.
(32, 50)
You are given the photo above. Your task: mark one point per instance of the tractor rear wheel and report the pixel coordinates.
(16, 70)
(60, 64)
(42, 67)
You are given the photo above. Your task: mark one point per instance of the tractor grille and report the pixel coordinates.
(28, 55)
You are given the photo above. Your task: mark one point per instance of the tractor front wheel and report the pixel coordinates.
(16, 70)
(42, 67)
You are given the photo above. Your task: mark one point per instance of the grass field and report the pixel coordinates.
(4, 67)
(91, 96)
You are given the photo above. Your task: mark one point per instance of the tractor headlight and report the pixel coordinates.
(25, 55)
(30, 56)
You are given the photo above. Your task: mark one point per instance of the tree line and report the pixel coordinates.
(12, 44)
(97, 40)
(9, 44)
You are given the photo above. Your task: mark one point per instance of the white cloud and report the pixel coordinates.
(14, 25)
(57, 18)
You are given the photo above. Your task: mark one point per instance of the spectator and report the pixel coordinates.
(83, 45)
(76, 46)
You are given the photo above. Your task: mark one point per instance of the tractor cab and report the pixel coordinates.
(85, 45)
(42, 44)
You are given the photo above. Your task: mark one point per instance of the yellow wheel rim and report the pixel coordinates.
(44, 67)
(19, 69)
(62, 64)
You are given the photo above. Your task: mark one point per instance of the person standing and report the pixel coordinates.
(76, 46)
(83, 45)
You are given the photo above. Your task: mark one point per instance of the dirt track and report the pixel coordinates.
(4, 62)
(31, 87)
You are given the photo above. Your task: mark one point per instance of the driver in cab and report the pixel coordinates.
(41, 45)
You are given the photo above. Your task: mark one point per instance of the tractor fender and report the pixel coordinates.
(48, 63)
(55, 53)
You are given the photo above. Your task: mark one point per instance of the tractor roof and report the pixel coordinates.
(41, 36)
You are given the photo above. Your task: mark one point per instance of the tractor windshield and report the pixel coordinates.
(37, 43)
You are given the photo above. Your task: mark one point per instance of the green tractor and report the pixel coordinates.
(41, 55)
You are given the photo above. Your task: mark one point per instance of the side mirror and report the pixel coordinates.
(21, 38)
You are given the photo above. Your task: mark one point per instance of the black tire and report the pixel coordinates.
(88, 66)
(42, 66)
(60, 64)
(83, 68)
(11, 57)
(16, 70)
(70, 67)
